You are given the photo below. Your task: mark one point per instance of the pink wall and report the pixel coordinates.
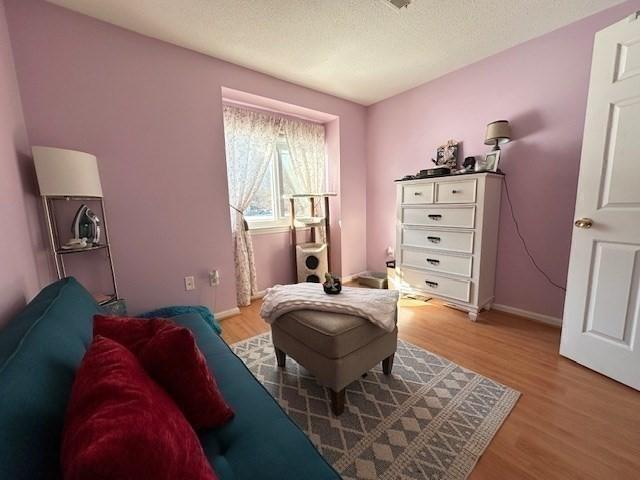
(275, 259)
(151, 112)
(332, 131)
(541, 87)
(20, 242)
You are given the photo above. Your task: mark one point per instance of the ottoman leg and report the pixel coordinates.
(387, 364)
(281, 357)
(337, 401)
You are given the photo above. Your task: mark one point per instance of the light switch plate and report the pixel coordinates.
(189, 283)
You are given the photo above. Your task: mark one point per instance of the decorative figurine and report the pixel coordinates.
(332, 285)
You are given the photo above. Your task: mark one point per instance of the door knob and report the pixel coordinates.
(584, 223)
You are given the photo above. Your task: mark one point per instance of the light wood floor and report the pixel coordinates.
(570, 423)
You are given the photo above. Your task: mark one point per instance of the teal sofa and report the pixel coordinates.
(40, 351)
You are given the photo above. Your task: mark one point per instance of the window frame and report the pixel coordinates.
(280, 221)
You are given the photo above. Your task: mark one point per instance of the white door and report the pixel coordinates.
(601, 325)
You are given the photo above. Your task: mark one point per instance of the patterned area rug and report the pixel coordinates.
(431, 419)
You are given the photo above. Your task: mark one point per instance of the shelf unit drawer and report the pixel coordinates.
(463, 217)
(456, 191)
(438, 239)
(452, 264)
(438, 285)
(419, 193)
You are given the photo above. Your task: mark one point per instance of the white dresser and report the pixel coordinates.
(447, 238)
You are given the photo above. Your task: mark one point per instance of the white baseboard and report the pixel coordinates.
(538, 317)
(259, 294)
(227, 313)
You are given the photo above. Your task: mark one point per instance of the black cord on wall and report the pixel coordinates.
(524, 244)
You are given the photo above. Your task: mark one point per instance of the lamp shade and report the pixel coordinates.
(66, 173)
(498, 132)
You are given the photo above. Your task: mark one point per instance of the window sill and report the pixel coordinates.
(269, 229)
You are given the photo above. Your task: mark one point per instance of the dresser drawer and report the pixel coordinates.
(438, 285)
(456, 191)
(440, 216)
(438, 239)
(417, 193)
(438, 262)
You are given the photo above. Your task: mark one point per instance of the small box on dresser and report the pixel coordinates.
(447, 238)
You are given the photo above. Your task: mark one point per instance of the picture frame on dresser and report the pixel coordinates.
(447, 238)
(492, 160)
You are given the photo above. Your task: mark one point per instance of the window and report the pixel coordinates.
(268, 208)
(258, 176)
(265, 207)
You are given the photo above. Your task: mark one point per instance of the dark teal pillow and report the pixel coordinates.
(40, 351)
(175, 310)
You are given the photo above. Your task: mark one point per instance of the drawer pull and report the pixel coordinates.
(431, 284)
(434, 216)
(456, 191)
(434, 239)
(433, 261)
(417, 194)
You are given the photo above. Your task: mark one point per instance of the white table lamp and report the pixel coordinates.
(66, 173)
(498, 133)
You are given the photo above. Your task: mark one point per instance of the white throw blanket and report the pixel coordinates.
(377, 306)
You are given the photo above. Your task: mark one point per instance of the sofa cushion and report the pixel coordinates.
(12, 333)
(261, 441)
(171, 356)
(41, 349)
(333, 335)
(120, 424)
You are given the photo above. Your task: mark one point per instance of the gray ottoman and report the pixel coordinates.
(338, 349)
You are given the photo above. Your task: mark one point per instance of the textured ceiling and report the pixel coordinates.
(361, 50)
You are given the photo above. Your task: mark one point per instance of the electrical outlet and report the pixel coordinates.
(189, 283)
(214, 278)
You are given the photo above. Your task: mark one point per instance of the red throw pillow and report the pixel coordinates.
(133, 333)
(121, 425)
(169, 354)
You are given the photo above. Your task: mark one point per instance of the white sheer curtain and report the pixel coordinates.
(306, 141)
(250, 143)
(308, 157)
